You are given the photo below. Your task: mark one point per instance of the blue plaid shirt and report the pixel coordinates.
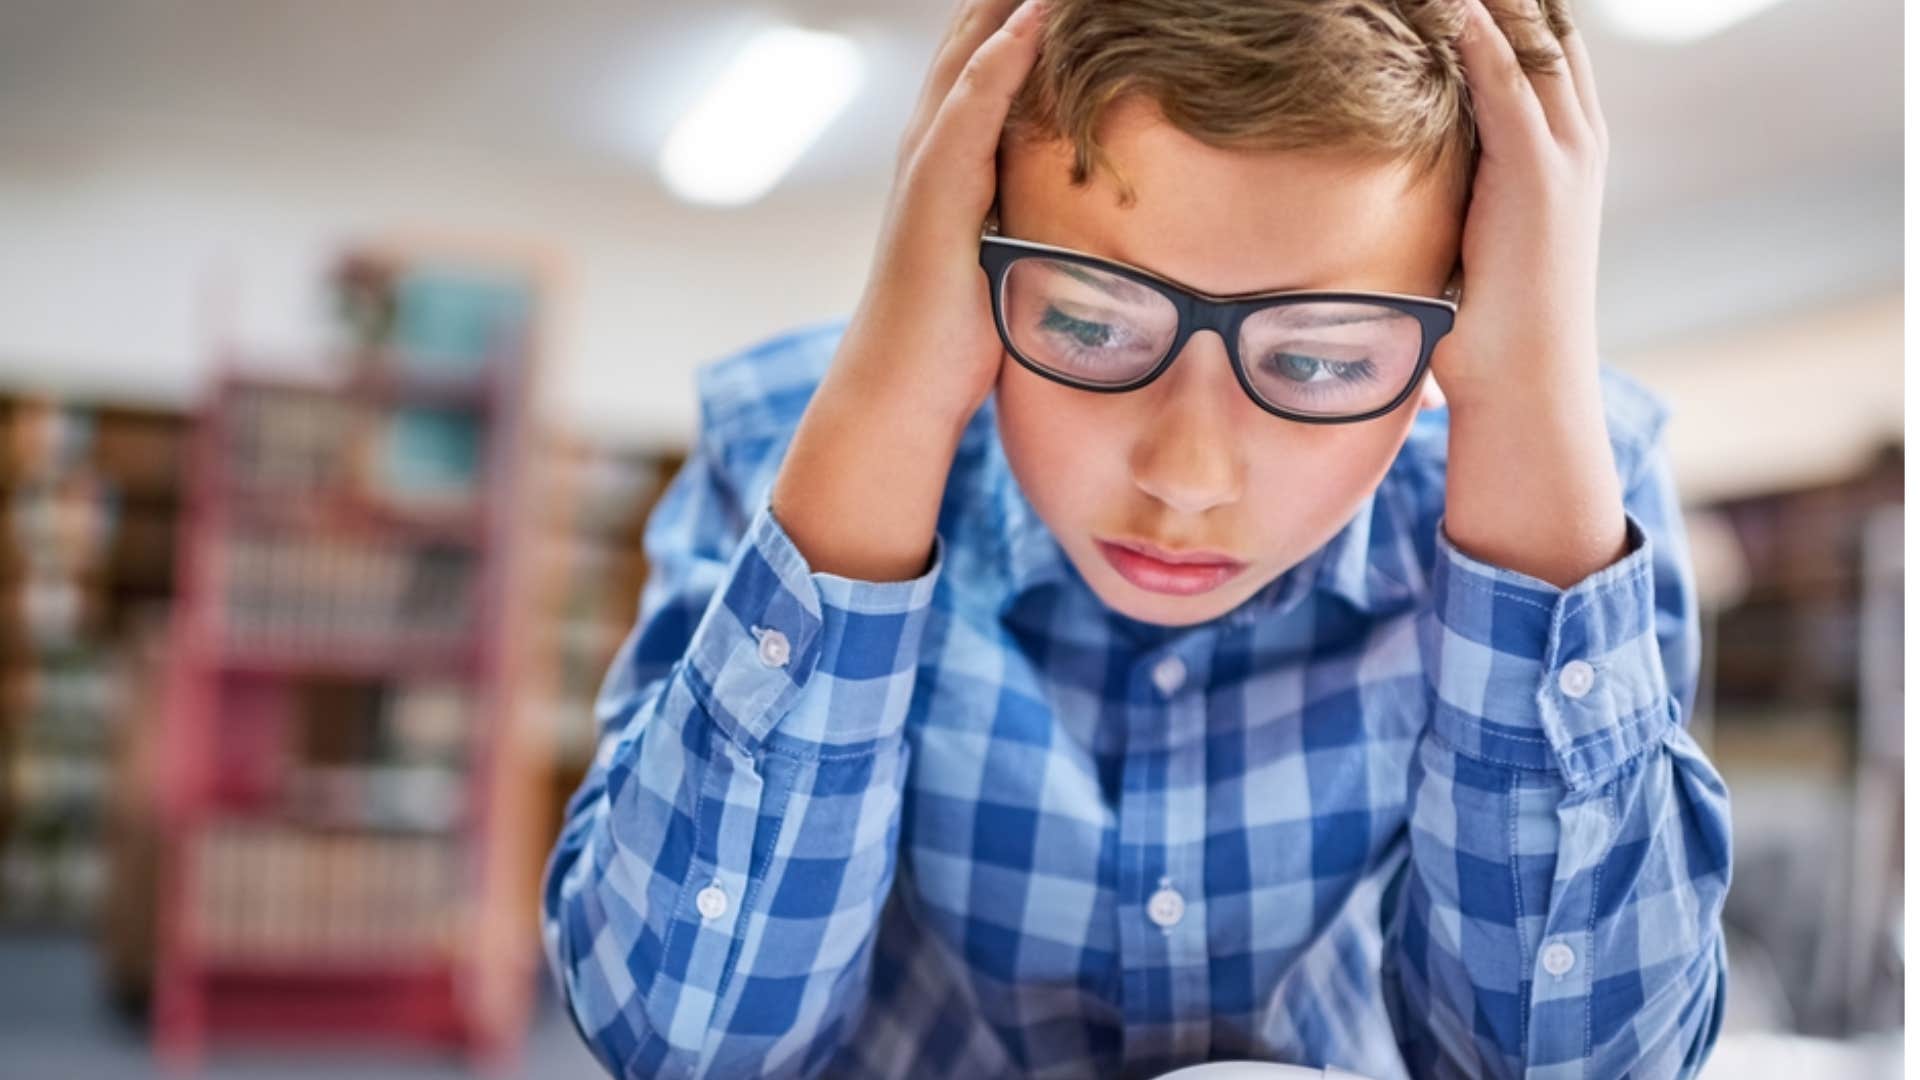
(1403, 812)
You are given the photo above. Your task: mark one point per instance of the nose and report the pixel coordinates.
(1188, 454)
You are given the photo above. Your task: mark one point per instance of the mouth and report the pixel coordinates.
(1177, 573)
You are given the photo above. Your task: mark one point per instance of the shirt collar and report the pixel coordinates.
(1367, 563)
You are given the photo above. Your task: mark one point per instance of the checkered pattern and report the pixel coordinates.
(925, 844)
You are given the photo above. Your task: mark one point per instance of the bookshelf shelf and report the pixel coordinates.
(391, 377)
(448, 391)
(339, 856)
(331, 661)
(265, 508)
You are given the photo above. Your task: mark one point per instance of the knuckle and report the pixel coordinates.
(1578, 142)
(973, 77)
(974, 22)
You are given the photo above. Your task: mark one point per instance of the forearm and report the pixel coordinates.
(860, 488)
(1531, 481)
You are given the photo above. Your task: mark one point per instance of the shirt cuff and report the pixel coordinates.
(1532, 675)
(776, 626)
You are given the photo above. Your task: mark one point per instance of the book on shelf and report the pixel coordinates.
(273, 893)
(289, 591)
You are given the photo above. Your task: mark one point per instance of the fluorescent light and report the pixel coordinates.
(773, 100)
(1679, 20)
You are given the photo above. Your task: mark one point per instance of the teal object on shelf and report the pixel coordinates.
(452, 320)
(432, 453)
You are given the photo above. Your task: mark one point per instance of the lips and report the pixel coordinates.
(1183, 573)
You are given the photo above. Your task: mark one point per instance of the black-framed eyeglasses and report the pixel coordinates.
(1317, 356)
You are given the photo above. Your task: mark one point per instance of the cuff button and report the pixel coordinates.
(1576, 678)
(774, 649)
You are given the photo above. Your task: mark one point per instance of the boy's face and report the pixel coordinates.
(1189, 462)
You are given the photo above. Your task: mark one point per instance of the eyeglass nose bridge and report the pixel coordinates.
(1223, 317)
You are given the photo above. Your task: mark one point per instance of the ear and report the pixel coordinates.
(1431, 396)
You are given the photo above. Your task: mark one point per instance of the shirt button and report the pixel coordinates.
(712, 901)
(1576, 678)
(1557, 959)
(1166, 906)
(1169, 674)
(773, 647)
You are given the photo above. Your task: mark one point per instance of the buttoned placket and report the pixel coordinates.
(1163, 811)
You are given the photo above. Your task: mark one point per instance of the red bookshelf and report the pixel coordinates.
(339, 859)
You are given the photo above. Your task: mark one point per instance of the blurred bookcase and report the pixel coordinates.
(341, 771)
(89, 497)
(595, 517)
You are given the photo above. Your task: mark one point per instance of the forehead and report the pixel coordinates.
(1228, 221)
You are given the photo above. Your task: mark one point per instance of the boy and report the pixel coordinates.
(1204, 683)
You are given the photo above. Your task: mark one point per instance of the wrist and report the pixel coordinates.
(859, 491)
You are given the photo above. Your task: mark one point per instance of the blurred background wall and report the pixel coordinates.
(196, 194)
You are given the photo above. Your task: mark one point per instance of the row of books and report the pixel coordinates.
(419, 797)
(299, 444)
(49, 612)
(292, 591)
(272, 892)
(58, 524)
(51, 878)
(55, 785)
(368, 751)
(292, 443)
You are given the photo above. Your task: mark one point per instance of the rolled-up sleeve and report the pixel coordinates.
(779, 624)
(1571, 843)
(1540, 677)
(709, 905)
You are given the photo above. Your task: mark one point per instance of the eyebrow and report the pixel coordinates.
(1122, 289)
(1117, 287)
(1375, 313)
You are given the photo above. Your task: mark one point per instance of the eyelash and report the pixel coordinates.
(1062, 324)
(1353, 371)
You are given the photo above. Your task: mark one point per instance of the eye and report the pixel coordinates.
(1085, 332)
(1302, 368)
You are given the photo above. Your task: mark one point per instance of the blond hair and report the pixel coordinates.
(1379, 77)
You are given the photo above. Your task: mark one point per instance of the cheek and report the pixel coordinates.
(1062, 451)
(1316, 486)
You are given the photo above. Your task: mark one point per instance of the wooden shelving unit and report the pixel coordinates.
(342, 857)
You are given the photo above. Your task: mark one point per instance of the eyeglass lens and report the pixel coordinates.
(1325, 358)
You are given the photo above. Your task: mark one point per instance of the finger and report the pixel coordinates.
(1582, 66)
(972, 22)
(965, 132)
(1559, 97)
(1507, 110)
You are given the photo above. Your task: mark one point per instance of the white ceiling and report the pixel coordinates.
(1756, 171)
(1809, 86)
